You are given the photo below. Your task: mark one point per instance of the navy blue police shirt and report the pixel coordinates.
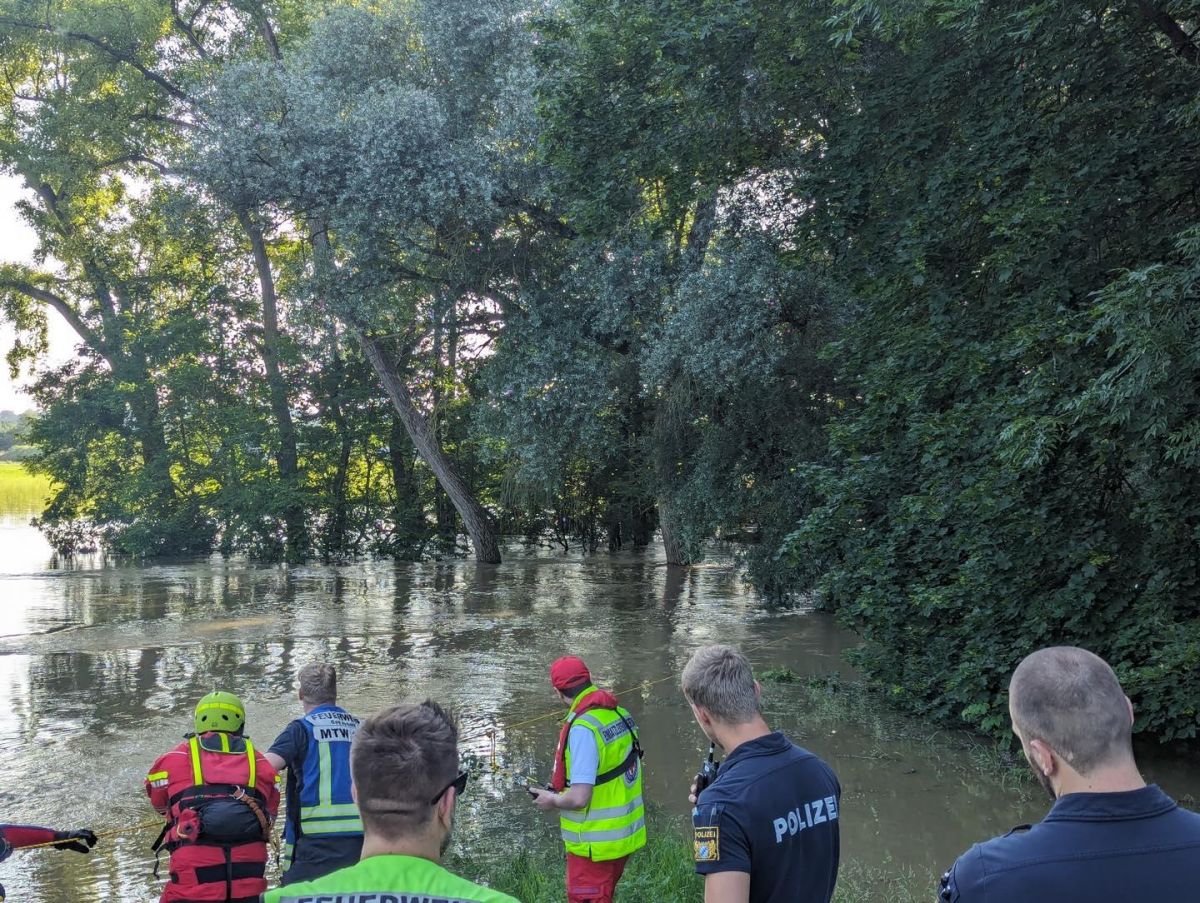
(1131, 847)
(773, 812)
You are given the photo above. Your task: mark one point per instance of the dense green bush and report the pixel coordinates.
(1021, 466)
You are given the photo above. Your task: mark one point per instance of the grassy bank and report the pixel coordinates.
(21, 492)
(662, 873)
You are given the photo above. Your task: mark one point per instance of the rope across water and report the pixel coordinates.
(490, 734)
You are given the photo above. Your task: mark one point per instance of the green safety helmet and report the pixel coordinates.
(220, 711)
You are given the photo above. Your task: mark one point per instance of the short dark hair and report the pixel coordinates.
(401, 758)
(1070, 699)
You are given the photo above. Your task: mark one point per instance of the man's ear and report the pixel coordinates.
(354, 792)
(1129, 702)
(1043, 757)
(446, 806)
(757, 691)
(701, 715)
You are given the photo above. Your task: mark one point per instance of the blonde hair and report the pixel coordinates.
(318, 683)
(720, 679)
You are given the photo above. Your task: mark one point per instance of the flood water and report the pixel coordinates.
(101, 666)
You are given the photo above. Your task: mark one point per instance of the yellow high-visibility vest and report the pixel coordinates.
(614, 823)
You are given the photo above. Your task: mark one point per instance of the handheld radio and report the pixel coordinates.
(708, 771)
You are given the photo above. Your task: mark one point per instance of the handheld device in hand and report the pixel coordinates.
(524, 782)
(708, 772)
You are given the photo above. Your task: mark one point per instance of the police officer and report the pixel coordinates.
(1108, 836)
(406, 775)
(597, 784)
(323, 832)
(767, 827)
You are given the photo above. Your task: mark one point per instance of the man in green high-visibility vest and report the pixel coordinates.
(597, 785)
(404, 763)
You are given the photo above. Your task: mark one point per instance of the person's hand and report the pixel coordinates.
(80, 841)
(692, 794)
(543, 799)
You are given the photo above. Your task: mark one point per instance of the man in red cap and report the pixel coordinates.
(597, 784)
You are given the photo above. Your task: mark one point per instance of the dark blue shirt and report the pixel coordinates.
(318, 855)
(772, 812)
(1131, 847)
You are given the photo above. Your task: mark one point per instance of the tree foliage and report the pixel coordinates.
(896, 295)
(1013, 198)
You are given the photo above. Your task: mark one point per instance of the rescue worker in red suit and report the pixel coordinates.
(18, 837)
(219, 795)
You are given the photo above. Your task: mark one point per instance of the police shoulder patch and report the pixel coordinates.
(708, 844)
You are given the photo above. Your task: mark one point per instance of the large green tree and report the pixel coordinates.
(674, 363)
(402, 139)
(99, 104)
(96, 100)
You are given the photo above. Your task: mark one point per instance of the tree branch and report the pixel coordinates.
(135, 158)
(65, 310)
(187, 30)
(1173, 30)
(113, 52)
(546, 219)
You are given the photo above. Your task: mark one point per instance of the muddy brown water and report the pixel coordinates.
(101, 665)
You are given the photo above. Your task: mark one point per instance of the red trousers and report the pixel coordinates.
(199, 873)
(593, 882)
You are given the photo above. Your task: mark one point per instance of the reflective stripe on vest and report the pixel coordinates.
(326, 805)
(614, 823)
(198, 771)
(594, 814)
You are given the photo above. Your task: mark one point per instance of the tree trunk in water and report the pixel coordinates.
(673, 545)
(155, 455)
(476, 520)
(444, 513)
(673, 442)
(341, 476)
(409, 516)
(287, 459)
(642, 527)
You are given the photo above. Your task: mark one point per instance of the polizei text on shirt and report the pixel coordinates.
(796, 820)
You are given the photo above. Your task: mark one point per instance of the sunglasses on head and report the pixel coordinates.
(459, 784)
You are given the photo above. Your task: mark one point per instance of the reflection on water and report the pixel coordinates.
(101, 667)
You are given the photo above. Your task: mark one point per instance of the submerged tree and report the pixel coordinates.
(400, 141)
(676, 362)
(97, 101)
(102, 104)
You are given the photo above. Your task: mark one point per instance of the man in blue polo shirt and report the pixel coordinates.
(767, 828)
(1108, 836)
(323, 831)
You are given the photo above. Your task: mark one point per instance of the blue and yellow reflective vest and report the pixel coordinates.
(614, 823)
(326, 806)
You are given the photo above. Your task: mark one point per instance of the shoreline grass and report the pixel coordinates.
(21, 492)
(662, 872)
